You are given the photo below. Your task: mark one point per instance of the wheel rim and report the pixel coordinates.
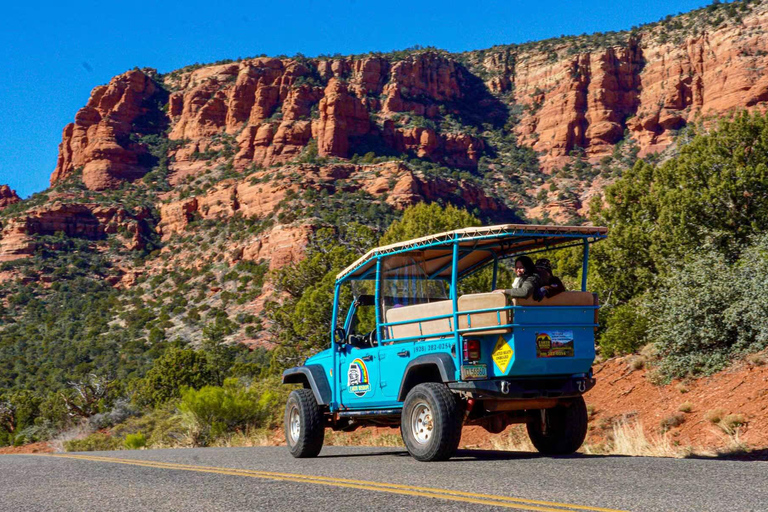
(295, 425)
(422, 423)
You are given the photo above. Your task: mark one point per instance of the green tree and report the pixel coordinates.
(175, 369)
(715, 190)
(426, 219)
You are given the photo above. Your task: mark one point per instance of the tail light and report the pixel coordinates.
(471, 350)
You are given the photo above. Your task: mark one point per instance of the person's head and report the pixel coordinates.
(544, 266)
(524, 266)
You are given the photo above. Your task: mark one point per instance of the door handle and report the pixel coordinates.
(403, 353)
(367, 358)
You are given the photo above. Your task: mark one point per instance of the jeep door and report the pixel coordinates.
(358, 377)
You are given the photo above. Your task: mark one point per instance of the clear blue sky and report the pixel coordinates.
(53, 54)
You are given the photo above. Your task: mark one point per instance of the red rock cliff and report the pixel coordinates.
(98, 142)
(574, 93)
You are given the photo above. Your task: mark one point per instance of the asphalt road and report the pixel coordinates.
(360, 479)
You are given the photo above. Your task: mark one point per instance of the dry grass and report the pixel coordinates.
(363, 437)
(714, 415)
(515, 439)
(682, 388)
(629, 438)
(251, 437)
(685, 407)
(637, 363)
(79, 431)
(731, 422)
(756, 359)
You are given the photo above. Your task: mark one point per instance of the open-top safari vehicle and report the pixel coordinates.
(431, 360)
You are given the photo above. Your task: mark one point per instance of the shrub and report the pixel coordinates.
(685, 407)
(121, 411)
(672, 421)
(625, 331)
(710, 311)
(135, 441)
(93, 443)
(217, 410)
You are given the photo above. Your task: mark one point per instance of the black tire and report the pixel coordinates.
(431, 422)
(562, 430)
(304, 429)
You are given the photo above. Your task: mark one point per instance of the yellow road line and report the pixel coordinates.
(427, 492)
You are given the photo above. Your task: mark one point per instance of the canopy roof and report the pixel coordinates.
(432, 255)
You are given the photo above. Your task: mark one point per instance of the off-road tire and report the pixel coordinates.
(565, 429)
(306, 440)
(443, 412)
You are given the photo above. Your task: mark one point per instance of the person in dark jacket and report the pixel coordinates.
(527, 283)
(551, 285)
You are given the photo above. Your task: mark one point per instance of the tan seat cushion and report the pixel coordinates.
(562, 299)
(417, 312)
(476, 301)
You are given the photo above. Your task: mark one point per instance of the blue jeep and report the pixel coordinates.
(412, 352)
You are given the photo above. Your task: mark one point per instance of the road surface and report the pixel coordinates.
(361, 479)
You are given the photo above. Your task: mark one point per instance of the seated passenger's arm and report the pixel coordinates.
(525, 291)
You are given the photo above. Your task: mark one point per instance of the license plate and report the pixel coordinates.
(474, 371)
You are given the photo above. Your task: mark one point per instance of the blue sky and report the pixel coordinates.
(53, 54)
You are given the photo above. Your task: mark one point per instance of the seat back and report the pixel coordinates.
(417, 313)
(561, 299)
(491, 319)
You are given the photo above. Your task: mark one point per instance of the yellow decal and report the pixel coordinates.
(502, 354)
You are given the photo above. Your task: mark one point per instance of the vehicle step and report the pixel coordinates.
(371, 412)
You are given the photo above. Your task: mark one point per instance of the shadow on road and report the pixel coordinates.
(752, 455)
(367, 454)
(478, 455)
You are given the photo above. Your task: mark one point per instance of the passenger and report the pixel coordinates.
(527, 283)
(551, 285)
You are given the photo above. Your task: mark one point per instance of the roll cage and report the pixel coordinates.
(453, 256)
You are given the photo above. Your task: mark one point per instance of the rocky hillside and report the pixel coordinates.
(178, 178)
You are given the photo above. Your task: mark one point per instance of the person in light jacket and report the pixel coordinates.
(527, 281)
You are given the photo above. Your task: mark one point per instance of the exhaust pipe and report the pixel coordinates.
(505, 387)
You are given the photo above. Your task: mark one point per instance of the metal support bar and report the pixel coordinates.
(334, 344)
(495, 270)
(455, 299)
(379, 336)
(584, 266)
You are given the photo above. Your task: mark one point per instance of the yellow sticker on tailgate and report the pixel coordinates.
(502, 354)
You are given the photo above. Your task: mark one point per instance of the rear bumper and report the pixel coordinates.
(526, 389)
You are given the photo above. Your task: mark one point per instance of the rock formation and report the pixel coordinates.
(7, 197)
(99, 141)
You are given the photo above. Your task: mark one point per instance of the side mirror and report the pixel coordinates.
(340, 335)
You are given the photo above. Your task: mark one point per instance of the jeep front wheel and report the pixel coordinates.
(431, 422)
(304, 430)
(560, 430)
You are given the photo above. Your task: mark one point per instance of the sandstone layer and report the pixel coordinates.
(79, 220)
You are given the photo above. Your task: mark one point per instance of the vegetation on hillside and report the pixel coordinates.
(685, 257)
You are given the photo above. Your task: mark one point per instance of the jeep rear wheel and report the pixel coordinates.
(560, 430)
(304, 430)
(431, 422)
